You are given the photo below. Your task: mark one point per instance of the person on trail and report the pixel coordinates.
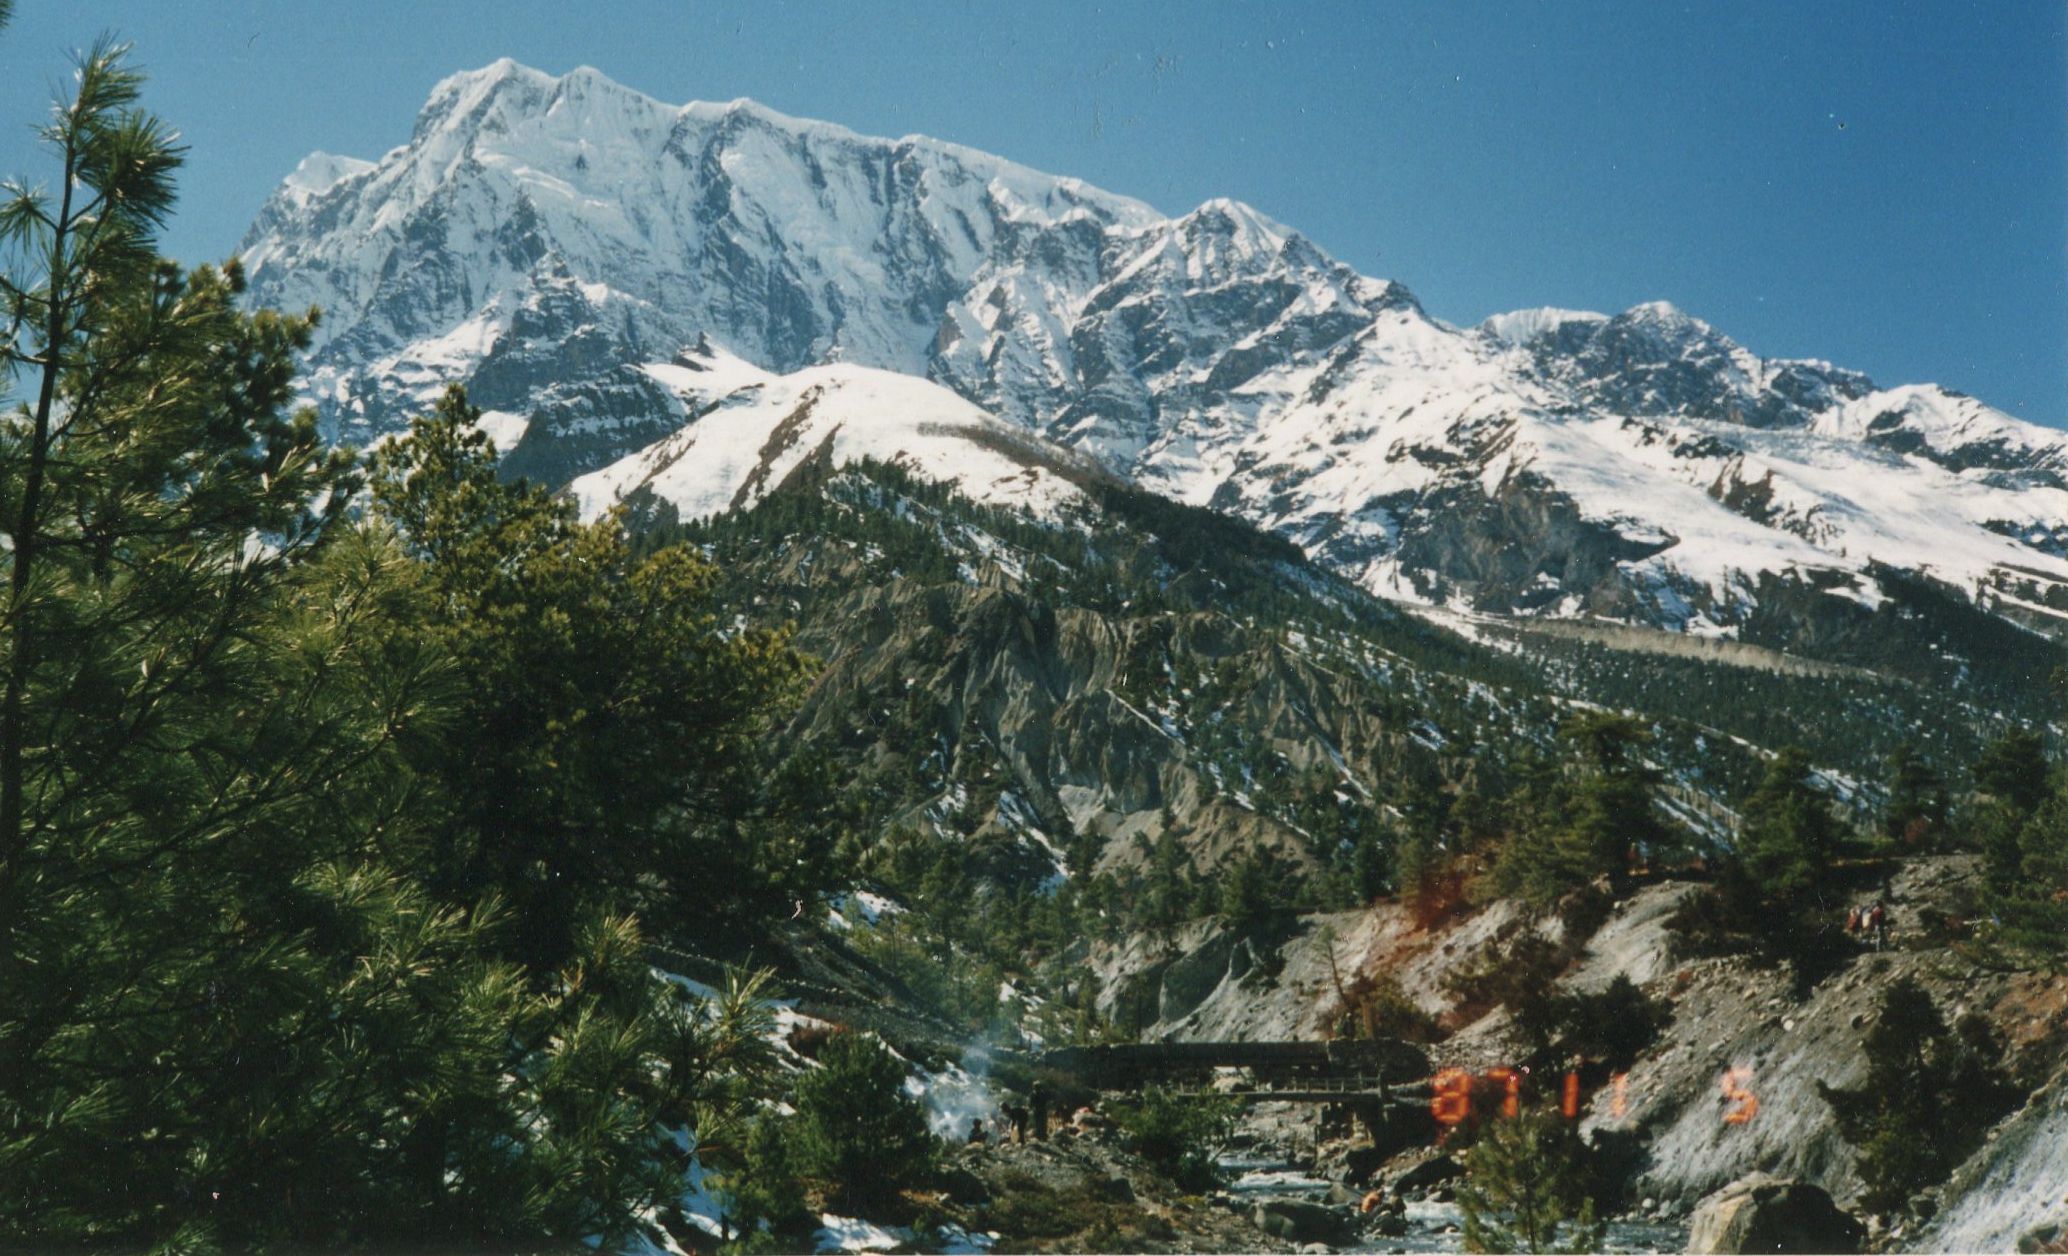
(1038, 1096)
(1877, 924)
(977, 1136)
(1017, 1115)
(1852, 920)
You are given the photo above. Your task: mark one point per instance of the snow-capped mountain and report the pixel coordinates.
(538, 236)
(561, 244)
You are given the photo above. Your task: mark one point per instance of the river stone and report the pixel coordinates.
(1764, 1213)
(1301, 1221)
(1426, 1174)
(1343, 1196)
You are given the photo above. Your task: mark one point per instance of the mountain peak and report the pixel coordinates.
(1222, 224)
(1518, 327)
(320, 171)
(1665, 316)
(473, 84)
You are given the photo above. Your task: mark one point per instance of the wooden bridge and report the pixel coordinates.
(1364, 1072)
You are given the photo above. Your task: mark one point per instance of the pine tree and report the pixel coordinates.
(1609, 810)
(1790, 834)
(622, 746)
(1916, 808)
(1182, 1135)
(767, 1212)
(2013, 776)
(244, 1006)
(1252, 887)
(1930, 1095)
(190, 726)
(1527, 1187)
(857, 1129)
(2013, 770)
(2028, 886)
(1167, 889)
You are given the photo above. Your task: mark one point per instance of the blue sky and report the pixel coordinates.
(1882, 185)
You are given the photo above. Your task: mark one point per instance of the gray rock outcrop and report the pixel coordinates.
(1302, 1221)
(1764, 1213)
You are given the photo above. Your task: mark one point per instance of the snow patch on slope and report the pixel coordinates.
(750, 429)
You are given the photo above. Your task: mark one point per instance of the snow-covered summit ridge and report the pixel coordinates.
(795, 241)
(320, 171)
(1519, 327)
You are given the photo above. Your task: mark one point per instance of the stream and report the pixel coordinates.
(1431, 1226)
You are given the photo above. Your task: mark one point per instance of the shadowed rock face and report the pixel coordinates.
(2016, 1195)
(1656, 362)
(1763, 1213)
(1525, 547)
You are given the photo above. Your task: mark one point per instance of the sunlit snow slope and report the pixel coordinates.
(747, 430)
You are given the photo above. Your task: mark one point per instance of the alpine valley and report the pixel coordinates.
(1202, 633)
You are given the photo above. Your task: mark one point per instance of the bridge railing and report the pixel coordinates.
(1307, 1066)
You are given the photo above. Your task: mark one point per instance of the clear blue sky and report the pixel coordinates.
(1883, 185)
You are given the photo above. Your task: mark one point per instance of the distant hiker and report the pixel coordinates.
(1017, 1115)
(977, 1136)
(1852, 920)
(1877, 924)
(1038, 1096)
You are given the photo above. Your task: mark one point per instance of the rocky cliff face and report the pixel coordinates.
(1055, 707)
(1726, 1014)
(550, 240)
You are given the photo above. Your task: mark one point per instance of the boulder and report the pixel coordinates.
(1390, 1225)
(1764, 1213)
(1302, 1221)
(1426, 1174)
(960, 1186)
(1359, 1163)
